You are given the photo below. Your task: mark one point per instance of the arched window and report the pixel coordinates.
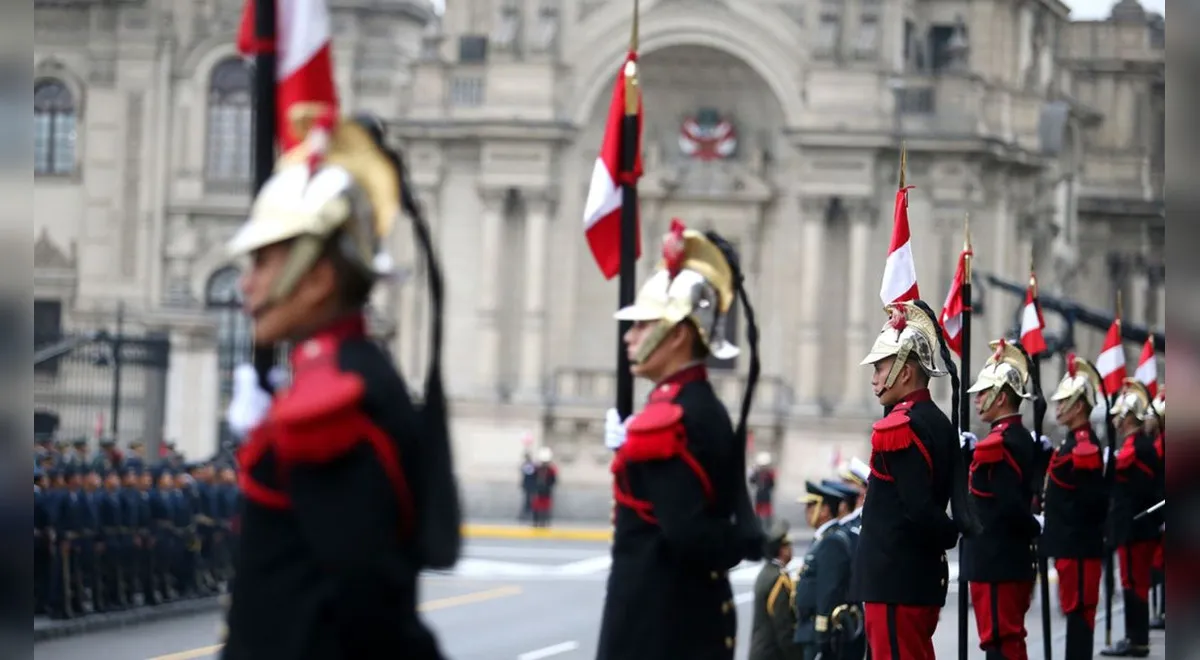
(234, 338)
(53, 128)
(230, 122)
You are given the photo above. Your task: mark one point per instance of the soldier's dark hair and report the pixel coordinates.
(961, 506)
(353, 285)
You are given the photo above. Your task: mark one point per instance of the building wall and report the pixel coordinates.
(501, 149)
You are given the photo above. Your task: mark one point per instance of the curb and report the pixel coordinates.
(549, 533)
(110, 621)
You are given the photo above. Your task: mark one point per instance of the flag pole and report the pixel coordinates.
(964, 417)
(630, 143)
(265, 130)
(1110, 477)
(1039, 417)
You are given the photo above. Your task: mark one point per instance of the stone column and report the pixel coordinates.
(488, 312)
(533, 320)
(1160, 299)
(862, 217)
(1139, 288)
(808, 338)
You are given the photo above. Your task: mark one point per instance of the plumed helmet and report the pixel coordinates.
(1007, 367)
(908, 333)
(338, 179)
(763, 459)
(1081, 383)
(694, 282)
(1159, 405)
(856, 471)
(1133, 401)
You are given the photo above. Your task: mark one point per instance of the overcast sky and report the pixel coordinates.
(1080, 9)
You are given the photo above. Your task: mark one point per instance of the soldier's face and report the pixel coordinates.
(288, 317)
(888, 395)
(113, 482)
(145, 482)
(785, 552)
(672, 352)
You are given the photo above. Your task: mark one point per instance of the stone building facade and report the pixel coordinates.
(1046, 132)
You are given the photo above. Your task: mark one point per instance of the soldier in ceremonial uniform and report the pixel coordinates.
(774, 622)
(683, 515)
(999, 563)
(900, 566)
(1075, 505)
(545, 478)
(828, 623)
(1156, 427)
(348, 486)
(763, 481)
(1138, 487)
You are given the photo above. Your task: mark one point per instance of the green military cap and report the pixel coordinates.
(777, 537)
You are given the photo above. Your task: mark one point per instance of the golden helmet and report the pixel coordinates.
(1007, 367)
(1081, 382)
(1134, 400)
(338, 178)
(694, 282)
(1159, 405)
(909, 332)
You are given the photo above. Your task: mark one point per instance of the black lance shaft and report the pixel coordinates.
(265, 129)
(1043, 563)
(627, 284)
(964, 421)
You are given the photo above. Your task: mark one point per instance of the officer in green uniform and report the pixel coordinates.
(827, 623)
(774, 623)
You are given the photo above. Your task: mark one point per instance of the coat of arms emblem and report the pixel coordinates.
(707, 136)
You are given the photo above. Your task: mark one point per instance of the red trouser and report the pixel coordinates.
(1136, 559)
(1079, 587)
(1000, 609)
(900, 632)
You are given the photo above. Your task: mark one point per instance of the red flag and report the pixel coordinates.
(1147, 367)
(602, 211)
(1032, 321)
(900, 271)
(1111, 363)
(952, 310)
(304, 66)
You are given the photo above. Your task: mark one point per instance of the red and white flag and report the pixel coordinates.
(602, 211)
(952, 310)
(1111, 363)
(900, 271)
(1147, 368)
(304, 66)
(1032, 321)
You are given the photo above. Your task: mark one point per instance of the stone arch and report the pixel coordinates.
(724, 31)
(52, 68)
(208, 264)
(197, 64)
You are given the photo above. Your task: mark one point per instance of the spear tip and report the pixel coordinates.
(903, 162)
(633, 32)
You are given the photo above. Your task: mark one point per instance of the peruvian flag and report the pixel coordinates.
(900, 271)
(1032, 322)
(602, 211)
(1111, 363)
(952, 310)
(304, 67)
(1147, 368)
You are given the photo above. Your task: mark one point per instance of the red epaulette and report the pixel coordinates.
(893, 432)
(655, 434)
(1085, 455)
(991, 448)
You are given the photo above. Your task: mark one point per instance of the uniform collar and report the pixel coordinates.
(1013, 418)
(851, 516)
(823, 528)
(915, 396)
(322, 344)
(691, 373)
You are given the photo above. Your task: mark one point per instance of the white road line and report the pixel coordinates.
(586, 566)
(549, 651)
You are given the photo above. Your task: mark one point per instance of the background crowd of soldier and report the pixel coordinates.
(113, 530)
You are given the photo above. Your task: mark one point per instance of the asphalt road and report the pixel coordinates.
(510, 599)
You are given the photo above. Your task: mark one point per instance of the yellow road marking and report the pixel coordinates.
(427, 606)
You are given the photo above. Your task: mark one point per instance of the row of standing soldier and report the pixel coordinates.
(1024, 496)
(111, 539)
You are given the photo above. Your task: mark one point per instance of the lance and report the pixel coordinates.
(964, 419)
(627, 164)
(265, 130)
(1151, 510)
(1109, 478)
(1039, 418)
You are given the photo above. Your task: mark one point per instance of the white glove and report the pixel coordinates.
(250, 403)
(1041, 521)
(1044, 441)
(1104, 458)
(967, 440)
(614, 430)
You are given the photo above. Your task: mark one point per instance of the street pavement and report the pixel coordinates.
(522, 599)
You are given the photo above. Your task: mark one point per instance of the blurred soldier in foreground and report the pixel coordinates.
(774, 621)
(762, 479)
(1138, 487)
(342, 476)
(999, 562)
(1156, 427)
(900, 569)
(828, 624)
(855, 475)
(683, 514)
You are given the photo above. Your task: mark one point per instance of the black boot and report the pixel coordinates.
(1139, 631)
(1079, 638)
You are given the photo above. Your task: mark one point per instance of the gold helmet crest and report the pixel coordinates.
(909, 332)
(1133, 401)
(694, 282)
(1007, 367)
(1081, 382)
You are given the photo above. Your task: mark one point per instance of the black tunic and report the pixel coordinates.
(901, 553)
(1075, 502)
(1138, 487)
(669, 596)
(326, 567)
(1003, 493)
